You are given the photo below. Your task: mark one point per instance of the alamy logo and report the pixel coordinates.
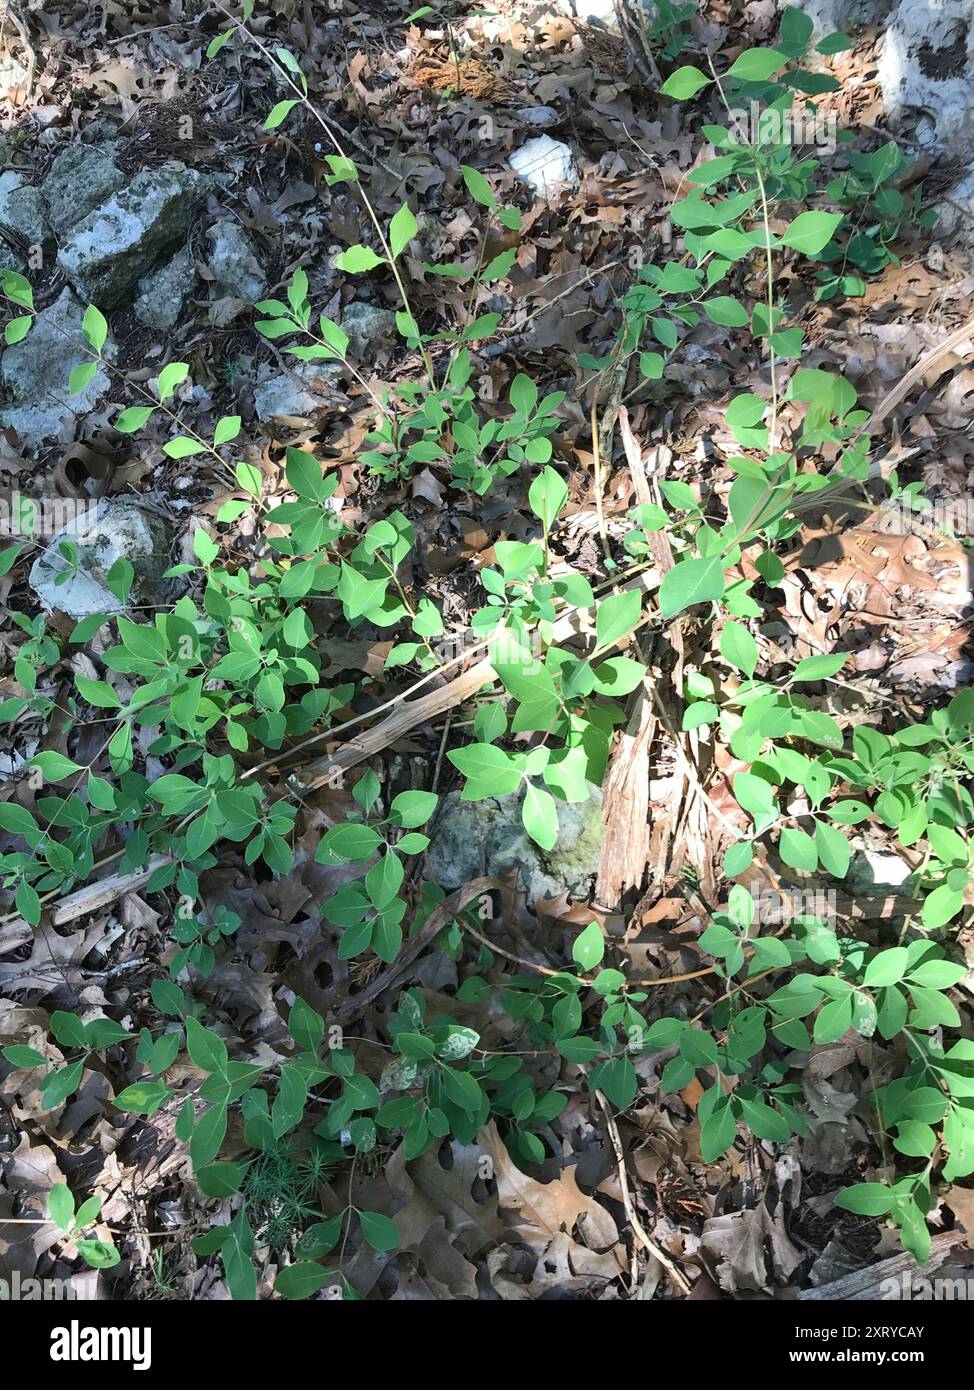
(77, 1343)
(82, 1288)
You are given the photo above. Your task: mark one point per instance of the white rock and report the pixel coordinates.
(545, 164)
(604, 13)
(873, 871)
(35, 373)
(105, 532)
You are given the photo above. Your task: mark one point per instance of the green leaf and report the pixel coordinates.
(358, 259)
(60, 1204)
(811, 231)
(306, 1027)
(833, 848)
(887, 968)
(19, 1055)
(80, 377)
(170, 377)
(379, 1231)
(834, 43)
(816, 668)
(547, 495)
(617, 615)
(279, 112)
(725, 311)
(588, 948)
(348, 844)
(540, 816)
(143, 1097)
(738, 647)
(757, 64)
(27, 903)
(684, 83)
(208, 1136)
(183, 447)
(940, 906)
(301, 1280)
(402, 229)
(798, 850)
(55, 767)
(206, 1049)
(94, 327)
(227, 429)
(866, 1199)
(16, 329)
(410, 809)
(489, 771)
(689, 582)
(717, 1133)
(834, 1019)
(617, 1078)
(478, 187)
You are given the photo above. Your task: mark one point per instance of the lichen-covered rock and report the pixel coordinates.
(311, 387)
(473, 836)
(118, 529)
(369, 328)
(163, 292)
(926, 72)
(108, 253)
(9, 258)
(80, 180)
(22, 208)
(36, 371)
(233, 260)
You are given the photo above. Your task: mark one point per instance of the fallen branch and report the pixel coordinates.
(90, 898)
(411, 715)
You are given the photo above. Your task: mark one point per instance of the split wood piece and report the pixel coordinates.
(935, 358)
(91, 898)
(868, 1283)
(416, 712)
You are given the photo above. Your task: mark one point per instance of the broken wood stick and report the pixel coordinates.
(411, 714)
(90, 898)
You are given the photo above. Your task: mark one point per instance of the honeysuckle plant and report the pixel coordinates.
(232, 667)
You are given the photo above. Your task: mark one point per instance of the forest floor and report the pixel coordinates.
(413, 101)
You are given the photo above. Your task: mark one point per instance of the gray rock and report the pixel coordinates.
(99, 130)
(9, 258)
(112, 529)
(36, 372)
(116, 245)
(22, 208)
(80, 180)
(470, 837)
(545, 164)
(233, 260)
(540, 117)
(369, 328)
(314, 389)
(163, 292)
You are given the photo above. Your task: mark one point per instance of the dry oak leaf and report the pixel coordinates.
(542, 1211)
